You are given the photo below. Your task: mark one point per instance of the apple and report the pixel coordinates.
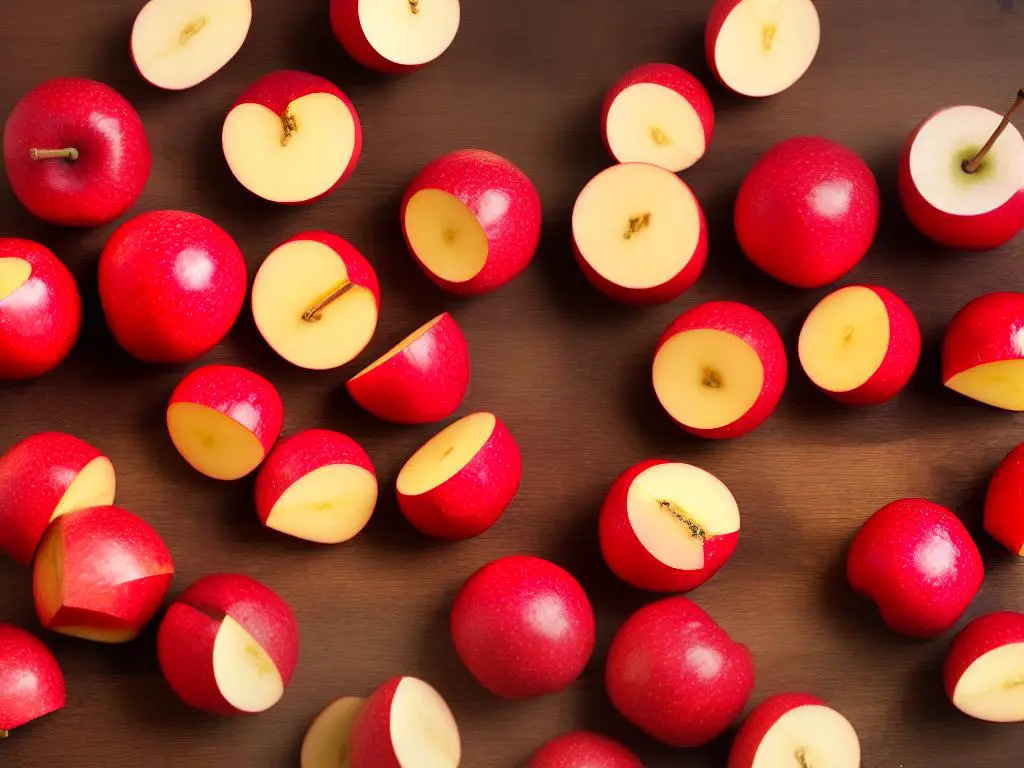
(459, 482)
(172, 284)
(761, 47)
(807, 212)
(719, 369)
(795, 730)
(100, 574)
(316, 300)
(982, 354)
(292, 137)
(395, 36)
(860, 345)
(639, 234)
(76, 153)
(676, 674)
(916, 561)
(328, 741)
(31, 682)
(40, 310)
(228, 645)
(667, 526)
(472, 221)
(957, 191)
(1004, 510)
(177, 45)
(523, 627)
(984, 669)
(224, 420)
(317, 485)
(581, 749)
(42, 478)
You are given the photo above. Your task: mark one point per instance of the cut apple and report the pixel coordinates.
(327, 742)
(441, 458)
(395, 36)
(92, 487)
(246, 675)
(14, 273)
(984, 670)
(177, 44)
(445, 235)
(982, 353)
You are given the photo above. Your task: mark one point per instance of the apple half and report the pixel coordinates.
(395, 36)
(328, 741)
(984, 669)
(31, 680)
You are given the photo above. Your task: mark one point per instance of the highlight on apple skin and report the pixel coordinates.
(328, 741)
(395, 36)
(582, 749)
(31, 680)
(1004, 514)
(984, 667)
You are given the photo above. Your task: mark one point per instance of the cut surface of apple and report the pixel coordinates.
(14, 273)
(992, 688)
(809, 735)
(411, 721)
(441, 457)
(446, 235)
(409, 33)
(94, 486)
(177, 44)
(327, 741)
(330, 504)
(246, 675)
(214, 443)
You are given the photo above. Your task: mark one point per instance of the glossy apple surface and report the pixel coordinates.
(31, 681)
(984, 668)
(1004, 502)
(395, 36)
(581, 749)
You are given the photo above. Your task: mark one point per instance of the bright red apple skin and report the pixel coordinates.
(523, 627)
(581, 749)
(983, 634)
(476, 178)
(31, 681)
(918, 563)
(716, 18)
(676, 674)
(425, 382)
(985, 330)
(1004, 502)
(40, 321)
(760, 720)
(114, 159)
(807, 212)
(172, 284)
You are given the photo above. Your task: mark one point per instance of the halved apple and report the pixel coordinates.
(984, 669)
(31, 680)
(327, 743)
(639, 234)
(395, 36)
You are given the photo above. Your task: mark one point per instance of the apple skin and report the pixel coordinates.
(887, 562)
(512, 648)
(581, 749)
(982, 635)
(755, 330)
(425, 382)
(760, 720)
(477, 178)
(41, 320)
(1004, 502)
(349, 31)
(807, 212)
(31, 681)
(114, 158)
(630, 560)
(676, 674)
(985, 330)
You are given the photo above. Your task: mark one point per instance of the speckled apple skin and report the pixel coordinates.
(31, 681)
(114, 158)
(629, 559)
(755, 330)
(349, 31)
(982, 232)
(785, 220)
(478, 179)
(472, 500)
(987, 329)
(188, 631)
(40, 321)
(172, 285)
(1004, 502)
(424, 383)
(34, 476)
(582, 749)
(885, 564)
(676, 674)
(760, 720)
(116, 570)
(982, 635)
(523, 627)
(371, 741)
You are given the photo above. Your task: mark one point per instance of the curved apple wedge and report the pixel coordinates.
(31, 681)
(328, 740)
(984, 669)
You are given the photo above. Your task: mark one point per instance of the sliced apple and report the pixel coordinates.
(327, 742)
(984, 669)
(14, 273)
(395, 36)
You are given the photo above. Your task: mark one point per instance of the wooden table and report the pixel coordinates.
(565, 369)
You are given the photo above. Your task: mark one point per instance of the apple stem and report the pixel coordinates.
(315, 312)
(414, 6)
(695, 530)
(191, 30)
(290, 126)
(972, 165)
(636, 225)
(70, 154)
(801, 758)
(4, 735)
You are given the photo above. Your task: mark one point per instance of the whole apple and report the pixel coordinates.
(31, 681)
(582, 749)
(1004, 502)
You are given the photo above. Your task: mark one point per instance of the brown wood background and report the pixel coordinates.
(566, 370)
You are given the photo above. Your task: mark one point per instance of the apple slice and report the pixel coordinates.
(639, 234)
(761, 47)
(406, 724)
(860, 345)
(327, 743)
(292, 137)
(316, 300)
(31, 681)
(177, 44)
(984, 669)
(395, 36)
(421, 379)
(667, 526)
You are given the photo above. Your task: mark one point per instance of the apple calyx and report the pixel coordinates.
(636, 225)
(711, 379)
(68, 153)
(414, 6)
(289, 125)
(660, 137)
(192, 29)
(972, 165)
(695, 529)
(315, 312)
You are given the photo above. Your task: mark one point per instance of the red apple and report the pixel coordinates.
(523, 627)
(327, 743)
(459, 482)
(42, 478)
(984, 668)
(1004, 503)
(395, 36)
(228, 645)
(292, 137)
(916, 561)
(224, 420)
(676, 674)
(720, 369)
(472, 221)
(40, 310)
(581, 749)
(31, 682)
(860, 345)
(76, 152)
(808, 211)
(100, 574)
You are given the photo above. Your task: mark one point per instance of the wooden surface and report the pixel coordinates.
(567, 371)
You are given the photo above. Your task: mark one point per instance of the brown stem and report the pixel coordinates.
(801, 758)
(636, 225)
(289, 125)
(970, 166)
(4, 735)
(695, 530)
(315, 312)
(69, 153)
(414, 6)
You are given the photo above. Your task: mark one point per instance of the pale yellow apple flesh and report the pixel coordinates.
(327, 741)
(810, 736)
(329, 505)
(992, 687)
(212, 442)
(14, 273)
(707, 378)
(423, 731)
(409, 32)
(94, 486)
(999, 384)
(246, 676)
(445, 235)
(447, 452)
(649, 123)
(403, 344)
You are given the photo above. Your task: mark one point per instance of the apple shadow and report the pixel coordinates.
(925, 699)
(435, 651)
(693, 58)
(117, 69)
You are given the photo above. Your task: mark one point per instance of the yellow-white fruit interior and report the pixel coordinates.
(441, 457)
(213, 443)
(328, 505)
(446, 236)
(327, 741)
(811, 735)
(423, 730)
(409, 32)
(246, 676)
(649, 123)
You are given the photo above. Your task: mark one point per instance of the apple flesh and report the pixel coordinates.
(1004, 510)
(984, 669)
(395, 36)
(31, 681)
(328, 741)
(581, 749)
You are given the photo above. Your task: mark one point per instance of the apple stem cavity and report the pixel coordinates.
(192, 29)
(972, 165)
(414, 6)
(68, 153)
(289, 126)
(315, 312)
(660, 137)
(637, 224)
(768, 36)
(801, 758)
(695, 530)
(711, 379)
